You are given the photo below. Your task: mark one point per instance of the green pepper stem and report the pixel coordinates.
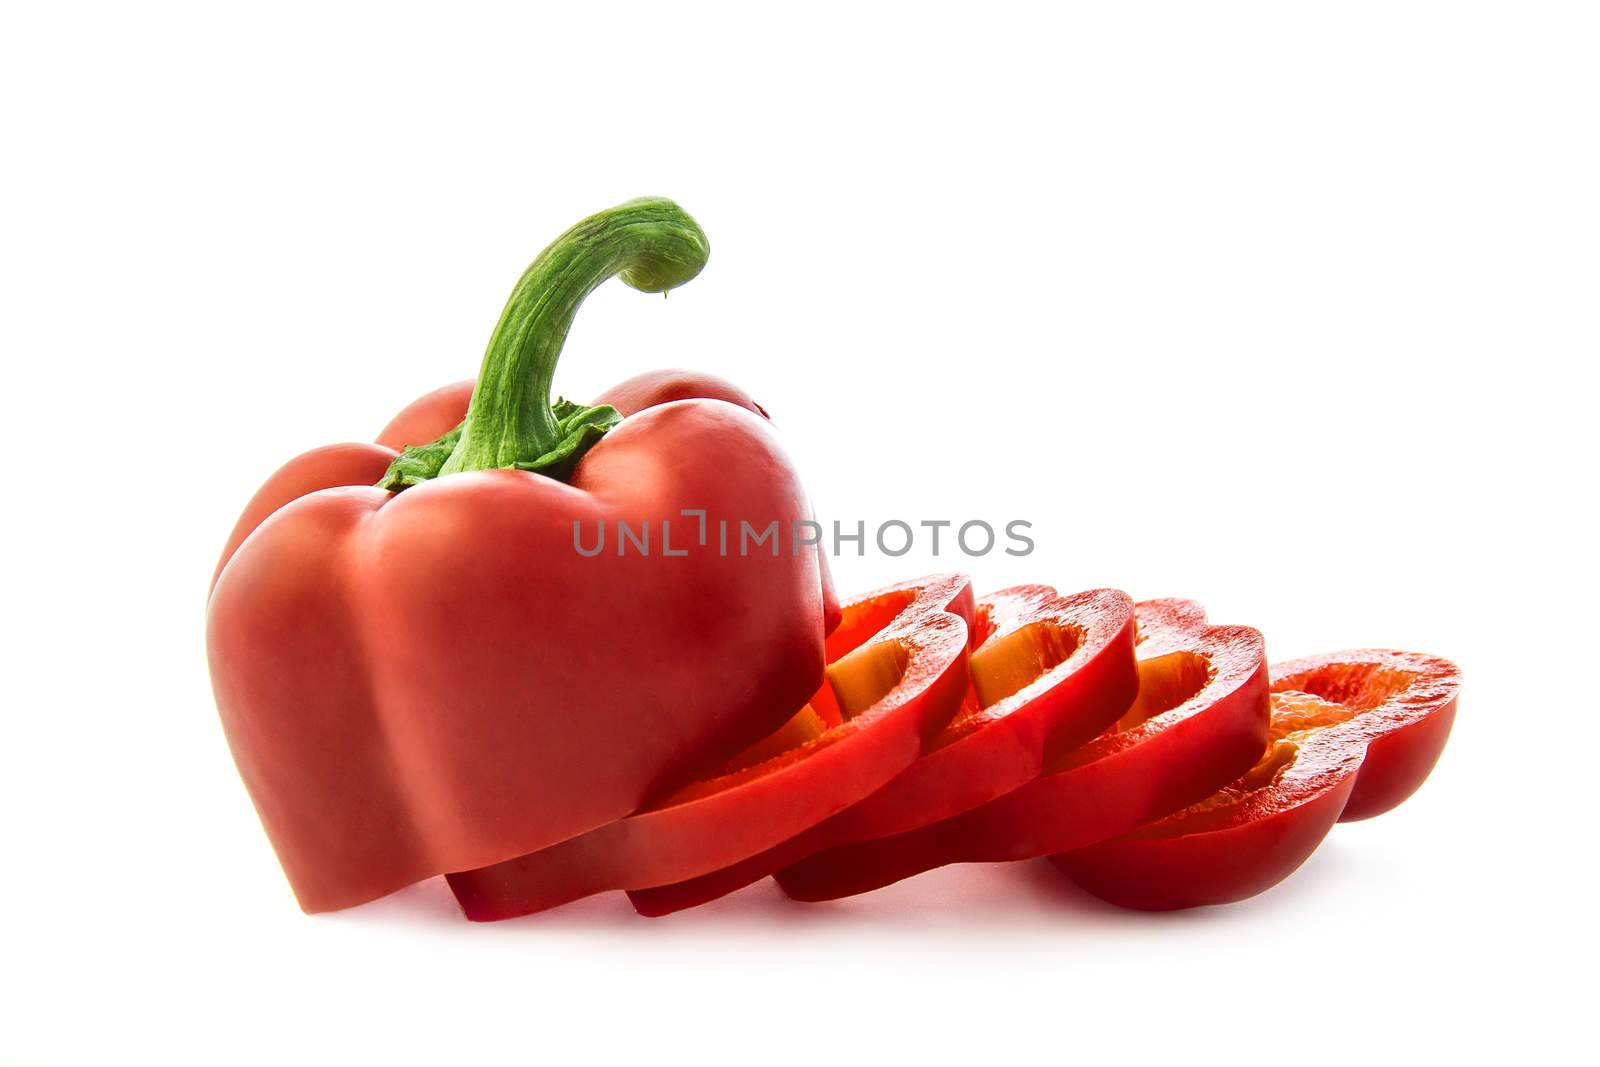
(651, 243)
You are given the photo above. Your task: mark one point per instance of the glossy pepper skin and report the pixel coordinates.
(1354, 734)
(1199, 721)
(897, 673)
(1050, 671)
(434, 680)
(434, 414)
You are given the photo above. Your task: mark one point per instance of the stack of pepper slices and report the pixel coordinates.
(419, 675)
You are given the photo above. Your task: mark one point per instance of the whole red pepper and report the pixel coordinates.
(1049, 672)
(1353, 735)
(1200, 720)
(435, 680)
(897, 673)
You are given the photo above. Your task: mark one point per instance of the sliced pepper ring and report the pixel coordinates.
(1049, 672)
(1199, 721)
(1353, 735)
(1406, 729)
(897, 674)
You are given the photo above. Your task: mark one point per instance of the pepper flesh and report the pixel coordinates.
(1049, 672)
(1200, 720)
(898, 673)
(435, 680)
(1353, 735)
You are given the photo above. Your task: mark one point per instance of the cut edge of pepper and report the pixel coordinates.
(1322, 719)
(871, 654)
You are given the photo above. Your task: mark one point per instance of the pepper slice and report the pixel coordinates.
(897, 673)
(1049, 673)
(1353, 735)
(1199, 721)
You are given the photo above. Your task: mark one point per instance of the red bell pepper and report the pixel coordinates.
(1200, 720)
(1049, 673)
(435, 680)
(897, 674)
(1353, 735)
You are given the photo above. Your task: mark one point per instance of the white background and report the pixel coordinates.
(1288, 309)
